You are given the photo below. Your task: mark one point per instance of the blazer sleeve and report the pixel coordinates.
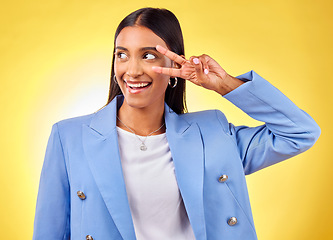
(53, 208)
(287, 131)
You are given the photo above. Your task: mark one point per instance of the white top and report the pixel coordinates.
(155, 201)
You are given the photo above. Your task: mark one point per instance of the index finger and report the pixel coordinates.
(171, 55)
(168, 71)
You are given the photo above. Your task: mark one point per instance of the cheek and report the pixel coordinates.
(159, 78)
(119, 68)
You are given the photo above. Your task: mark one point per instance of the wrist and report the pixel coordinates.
(227, 84)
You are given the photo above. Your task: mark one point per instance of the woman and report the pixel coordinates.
(142, 168)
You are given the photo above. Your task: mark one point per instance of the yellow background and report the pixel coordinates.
(55, 64)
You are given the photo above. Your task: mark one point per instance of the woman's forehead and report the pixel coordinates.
(138, 37)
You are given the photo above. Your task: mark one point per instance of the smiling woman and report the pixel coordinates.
(164, 28)
(143, 168)
(142, 87)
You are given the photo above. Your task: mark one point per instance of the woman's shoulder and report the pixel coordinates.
(74, 124)
(76, 120)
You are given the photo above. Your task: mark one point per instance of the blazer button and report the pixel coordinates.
(81, 195)
(232, 221)
(223, 178)
(88, 237)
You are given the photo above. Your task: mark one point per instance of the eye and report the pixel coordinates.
(121, 55)
(149, 56)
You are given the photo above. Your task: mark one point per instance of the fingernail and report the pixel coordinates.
(206, 71)
(196, 60)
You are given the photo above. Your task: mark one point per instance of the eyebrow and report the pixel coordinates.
(141, 49)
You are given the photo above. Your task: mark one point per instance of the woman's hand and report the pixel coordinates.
(202, 71)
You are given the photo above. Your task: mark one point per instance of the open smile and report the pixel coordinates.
(137, 87)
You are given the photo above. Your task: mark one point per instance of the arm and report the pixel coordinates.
(287, 131)
(53, 208)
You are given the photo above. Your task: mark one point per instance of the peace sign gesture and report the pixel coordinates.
(202, 70)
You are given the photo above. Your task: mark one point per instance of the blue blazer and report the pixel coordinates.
(83, 155)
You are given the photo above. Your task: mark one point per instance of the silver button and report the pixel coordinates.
(81, 195)
(223, 178)
(88, 237)
(232, 221)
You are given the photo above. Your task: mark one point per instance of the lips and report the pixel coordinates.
(136, 87)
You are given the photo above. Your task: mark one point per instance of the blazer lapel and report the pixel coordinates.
(187, 152)
(100, 143)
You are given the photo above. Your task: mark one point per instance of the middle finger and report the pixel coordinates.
(171, 55)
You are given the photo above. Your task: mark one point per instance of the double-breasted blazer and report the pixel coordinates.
(82, 193)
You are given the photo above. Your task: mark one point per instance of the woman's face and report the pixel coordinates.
(135, 55)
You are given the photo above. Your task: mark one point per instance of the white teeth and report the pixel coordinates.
(136, 85)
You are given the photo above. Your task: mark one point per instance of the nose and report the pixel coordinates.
(134, 68)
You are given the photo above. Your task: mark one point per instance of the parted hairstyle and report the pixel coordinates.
(165, 25)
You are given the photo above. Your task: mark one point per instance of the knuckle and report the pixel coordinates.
(174, 57)
(197, 67)
(203, 58)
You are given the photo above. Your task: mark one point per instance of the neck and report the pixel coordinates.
(142, 121)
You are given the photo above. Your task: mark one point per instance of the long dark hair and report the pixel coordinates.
(165, 25)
